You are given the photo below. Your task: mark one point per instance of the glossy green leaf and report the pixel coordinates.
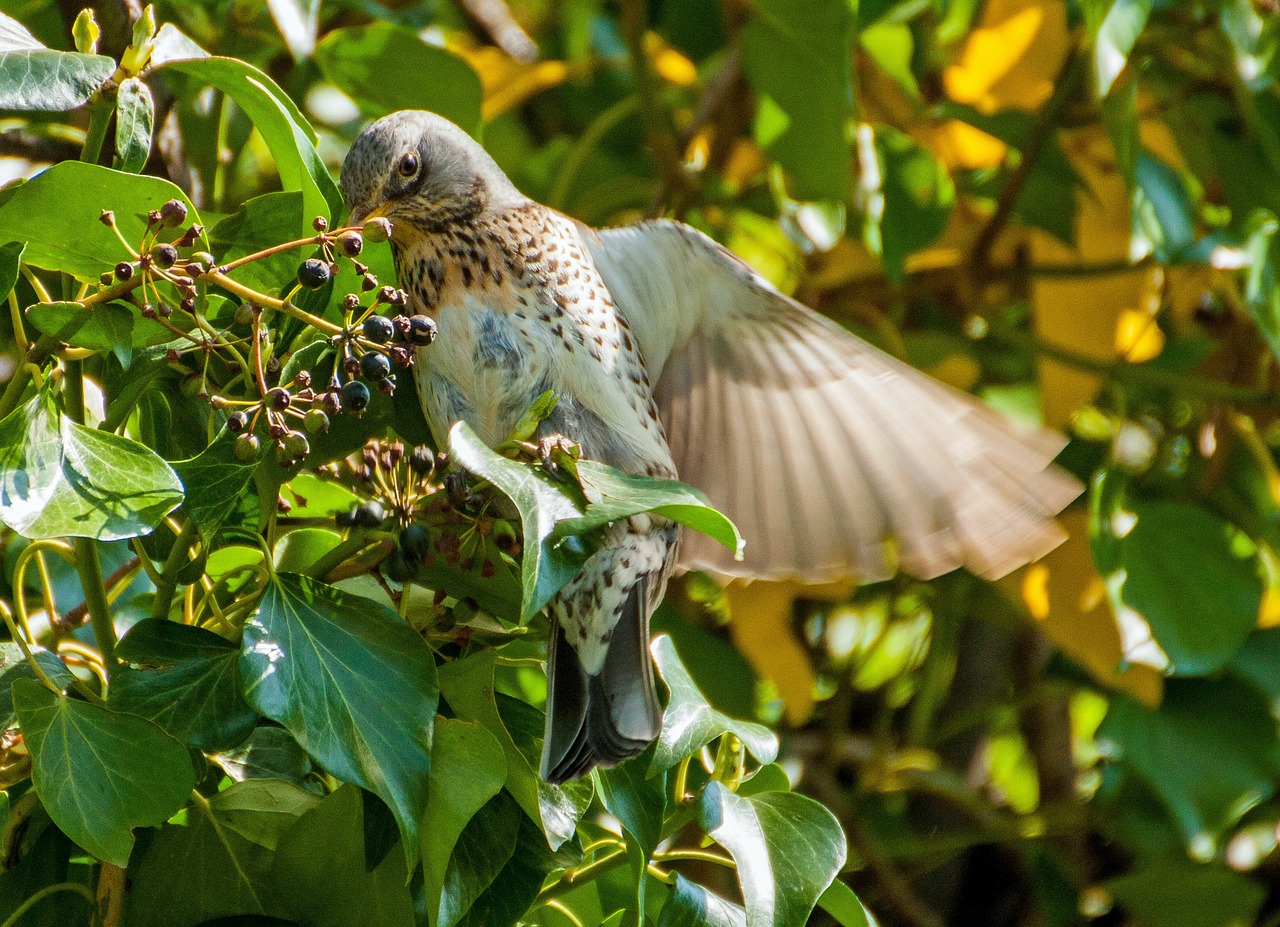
(639, 804)
(318, 875)
(353, 683)
(14, 666)
(33, 77)
(135, 113)
(270, 753)
(690, 723)
(10, 262)
(918, 198)
(842, 904)
(548, 562)
(193, 691)
(260, 223)
(1199, 624)
(61, 479)
(100, 773)
(613, 495)
(483, 849)
(64, 232)
(285, 130)
(117, 327)
(467, 685)
(788, 849)
(796, 54)
(691, 905)
(215, 479)
(1115, 26)
(468, 768)
(354, 58)
(230, 844)
(1176, 893)
(1210, 752)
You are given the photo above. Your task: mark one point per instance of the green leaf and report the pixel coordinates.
(691, 905)
(285, 130)
(1115, 26)
(117, 327)
(1182, 575)
(270, 753)
(319, 876)
(353, 683)
(296, 20)
(842, 904)
(61, 479)
(1177, 893)
(14, 666)
(355, 59)
(483, 850)
(788, 849)
(1120, 115)
(918, 198)
(215, 479)
(796, 54)
(195, 696)
(467, 685)
(1210, 752)
(10, 262)
(64, 232)
(259, 224)
(33, 77)
(135, 113)
(613, 495)
(548, 562)
(100, 773)
(639, 804)
(230, 845)
(468, 768)
(690, 723)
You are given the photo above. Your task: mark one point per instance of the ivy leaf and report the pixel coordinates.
(690, 723)
(468, 768)
(549, 562)
(443, 83)
(613, 495)
(195, 696)
(1115, 26)
(691, 905)
(257, 225)
(353, 683)
(33, 77)
(842, 904)
(285, 130)
(10, 264)
(639, 804)
(1164, 892)
(918, 198)
(1176, 601)
(788, 849)
(135, 113)
(127, 772)
(215, 479)
(61, 479)
(482, 851)
(64, 232)
(270, 753)
(14, 666)
(118, 327)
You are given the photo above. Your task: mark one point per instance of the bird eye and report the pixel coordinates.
(408, 165)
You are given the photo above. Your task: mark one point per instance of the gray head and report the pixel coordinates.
(422, 172)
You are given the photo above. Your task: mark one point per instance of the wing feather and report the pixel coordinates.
(833, 458)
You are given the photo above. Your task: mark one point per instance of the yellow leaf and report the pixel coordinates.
(958, 370)
(760, 625)
(961, 146)
(508, 83)
(1067, 598)
(1010, 60)
(1138, 337)
(668, 63)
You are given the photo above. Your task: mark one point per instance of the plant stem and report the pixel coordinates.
(585, 873)
(168, 583)
(30, 657)
(268, 252)
(280, 305)
(340, 554)
(22, 909)
(89, 567)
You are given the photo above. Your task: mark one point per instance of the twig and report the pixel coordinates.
(494, 16)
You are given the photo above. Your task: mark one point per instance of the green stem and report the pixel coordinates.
(586, 143)
(169, 572)
(21, 641)
(699, 855)
(100, 113)
(22, 909)
(89, 567)
(575, 877)
(340, 554)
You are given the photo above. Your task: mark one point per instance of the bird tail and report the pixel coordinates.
(601, 719)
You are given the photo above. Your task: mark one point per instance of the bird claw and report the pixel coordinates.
(555, 450)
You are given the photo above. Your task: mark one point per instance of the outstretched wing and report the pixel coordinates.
(833, 458)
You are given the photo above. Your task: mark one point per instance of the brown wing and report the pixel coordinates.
(833, 458)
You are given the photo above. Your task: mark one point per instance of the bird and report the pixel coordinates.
(671, 357)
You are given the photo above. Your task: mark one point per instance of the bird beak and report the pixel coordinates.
(360, 215)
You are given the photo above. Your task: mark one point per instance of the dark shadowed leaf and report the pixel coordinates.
(135, 113)
(353, 683)
(468, 768)
(482, 850)
(353, 59)
(788, 849)
(690, 723)
(270, 753)
(64, 232)
(1176, 893)
(691, 905)
(100, 773)
(60, 479)
(548, 563)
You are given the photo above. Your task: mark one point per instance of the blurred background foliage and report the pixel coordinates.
(1068, 208)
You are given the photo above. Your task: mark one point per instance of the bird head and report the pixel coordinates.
(423, 173)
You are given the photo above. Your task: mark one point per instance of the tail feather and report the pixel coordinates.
(604, 719)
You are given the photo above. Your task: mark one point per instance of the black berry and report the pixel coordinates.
(173, 213)
(355, 396)
(397, 567)
(351, 243)
(313, 273)
(124, 271)
(422, 330)
(278, 398)
(374, 366)
(369, 515)
(237, 422)
(414, 541)
(378, 329)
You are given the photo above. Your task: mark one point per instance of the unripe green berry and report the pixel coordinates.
(245, 448)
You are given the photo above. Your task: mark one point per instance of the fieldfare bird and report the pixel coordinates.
(672, 357)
